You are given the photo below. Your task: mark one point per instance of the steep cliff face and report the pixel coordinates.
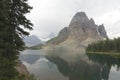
(81, 29)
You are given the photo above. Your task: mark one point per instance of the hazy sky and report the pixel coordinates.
(52, 15)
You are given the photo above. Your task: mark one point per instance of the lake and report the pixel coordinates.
(85, 67)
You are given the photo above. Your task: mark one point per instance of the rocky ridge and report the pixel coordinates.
(32, 40)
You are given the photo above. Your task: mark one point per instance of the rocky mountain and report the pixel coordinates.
(82, 30)
(50, 36)
(32, 41)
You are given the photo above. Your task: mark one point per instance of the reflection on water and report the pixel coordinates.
(41, 67)
(105, 59)
(87, 67)
(109, 63)
(81, 70)
(31, 56)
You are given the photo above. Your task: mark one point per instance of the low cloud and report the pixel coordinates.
(52, 15)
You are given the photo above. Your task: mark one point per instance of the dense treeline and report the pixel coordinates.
(12, 24)
(108, 45)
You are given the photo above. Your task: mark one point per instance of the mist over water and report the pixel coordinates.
(68, 53)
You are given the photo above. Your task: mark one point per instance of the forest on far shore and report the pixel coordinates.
(108, 45)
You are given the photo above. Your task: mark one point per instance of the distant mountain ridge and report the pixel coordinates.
(50, 36)
(32, 40)
(81, 29)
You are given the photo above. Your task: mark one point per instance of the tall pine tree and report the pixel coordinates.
(12, 24)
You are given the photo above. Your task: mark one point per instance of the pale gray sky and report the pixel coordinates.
(52, 15)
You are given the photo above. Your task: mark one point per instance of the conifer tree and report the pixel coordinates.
(12, 24)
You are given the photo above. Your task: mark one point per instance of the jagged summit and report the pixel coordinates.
(81, 14)
(101, 30)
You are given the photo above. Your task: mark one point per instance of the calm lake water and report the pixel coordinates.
(87, 67)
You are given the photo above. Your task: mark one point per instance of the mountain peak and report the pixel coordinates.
(80, 17)
(51, 35)
(81, 14)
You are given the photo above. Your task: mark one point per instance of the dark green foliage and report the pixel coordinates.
(12, 22)
(7, 71)
(105, 46)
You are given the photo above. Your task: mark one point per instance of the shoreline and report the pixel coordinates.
(107, 53)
